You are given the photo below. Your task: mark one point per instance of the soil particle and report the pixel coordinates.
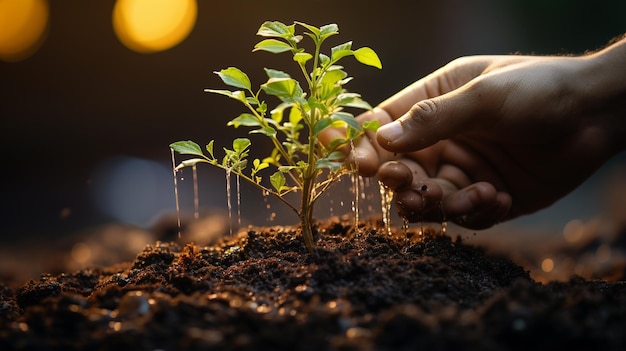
(362, 290)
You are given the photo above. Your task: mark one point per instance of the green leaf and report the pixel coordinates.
(187, 147)
(340, 51)
(371, 125)
(325, 163)
(278, 180)
(336, 156)
(324, 60)
(191, 162)
(240, 145)
(347, 118)
(302, 57)
(295, 115)
(265, 130)
(273, 46)
(333, 76)
(234, 77)
(314, 30)
(368, 57)
(209, 148)
(258, 165)
(321, 125)
(237, 94)
(276, 29)
(328, 30)
(286, 89)
(274, 73)
(245, 119)
(352, 100)
(335, 143)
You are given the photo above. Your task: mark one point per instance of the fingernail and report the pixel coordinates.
(391, 132)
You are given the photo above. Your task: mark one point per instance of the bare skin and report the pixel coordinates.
(488, 138)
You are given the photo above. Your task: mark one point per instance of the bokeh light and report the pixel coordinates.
(148, 26)
(132, 190)
(23, 28)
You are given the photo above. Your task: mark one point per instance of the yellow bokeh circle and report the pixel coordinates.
(148, 26)
(23, 28)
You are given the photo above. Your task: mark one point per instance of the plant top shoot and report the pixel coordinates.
(301, 163)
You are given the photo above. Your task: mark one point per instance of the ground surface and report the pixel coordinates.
(360, 291)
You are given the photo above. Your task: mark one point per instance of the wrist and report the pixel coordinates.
(604, 91)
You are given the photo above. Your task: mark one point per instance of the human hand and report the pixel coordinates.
(489, 138)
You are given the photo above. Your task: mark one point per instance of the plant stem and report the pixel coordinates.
(306, 214)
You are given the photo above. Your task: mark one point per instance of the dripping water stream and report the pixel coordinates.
(196, 198)
(386, 197)
(228, 202)
(176, 191)
(238, 202)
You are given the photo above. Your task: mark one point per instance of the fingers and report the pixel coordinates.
(478, 206)
(432, 120)
(421, 198)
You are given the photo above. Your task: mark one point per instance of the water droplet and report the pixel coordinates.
(405, 225)
(444, 220)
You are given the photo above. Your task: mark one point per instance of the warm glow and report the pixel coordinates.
(153, 25)
(547, 265)
(23, 25)
(574, 230)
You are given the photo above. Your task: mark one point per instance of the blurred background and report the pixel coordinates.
(93, 92)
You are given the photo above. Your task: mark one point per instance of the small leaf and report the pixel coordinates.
(235, 77)
(371, 125)
(240, 145)
(191, 162)
(187, 147)
(321, 125)
(336, 156)
(286, 89)
(302, 57)
(265, 130)
(328, 30)
(274, 73)
(273, 46)
(347, 118)
(209, 148)
(368, 57)
(278, 180)
(352, 100)
(237, 94)
(333, 76)
(276, 29)
(335, 143)
(314, 30)
(325, 163)
(245, 119)
(324, 60)
(258, 165)
(340, 51)
(295, 115)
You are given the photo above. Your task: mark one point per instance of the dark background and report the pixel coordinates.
(84, 104)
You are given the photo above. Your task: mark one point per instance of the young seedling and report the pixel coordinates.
(301, 162)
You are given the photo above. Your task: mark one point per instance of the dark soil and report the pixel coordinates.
(360, 291)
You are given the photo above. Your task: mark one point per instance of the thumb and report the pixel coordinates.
(431, 120)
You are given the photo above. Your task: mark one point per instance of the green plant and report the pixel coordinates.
(302, 162)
